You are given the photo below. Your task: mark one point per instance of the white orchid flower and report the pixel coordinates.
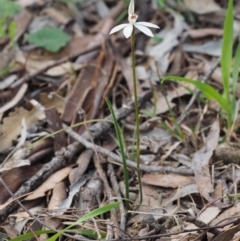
(128, 27)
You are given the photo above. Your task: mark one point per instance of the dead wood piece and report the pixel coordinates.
(65, 155)
(227, 153)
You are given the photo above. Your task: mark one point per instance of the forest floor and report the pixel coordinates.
(60, 160)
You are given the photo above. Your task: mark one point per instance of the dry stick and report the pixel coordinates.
(196, 93)
(66, 154)
(116, 189)
(132, 164)
(27, 77)
(102, 175)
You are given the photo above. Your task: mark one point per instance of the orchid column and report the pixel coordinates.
(128, 31)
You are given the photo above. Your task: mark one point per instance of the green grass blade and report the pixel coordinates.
(92, 214)
(121, 147)
(88, 233)
(226, 56)
(207, 90)
(235, 72)
(30, 235)
(179, 134)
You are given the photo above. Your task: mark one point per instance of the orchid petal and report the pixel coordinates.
(131, 8)
(118, 27)
(127, 31)
(146, 24)
(143, 29)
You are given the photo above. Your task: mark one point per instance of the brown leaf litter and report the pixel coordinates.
(190, 181)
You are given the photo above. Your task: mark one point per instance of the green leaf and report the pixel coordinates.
(49, 38)
(226, 56)
(92, 214)
(207, 90)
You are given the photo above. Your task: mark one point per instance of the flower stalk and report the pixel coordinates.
(136, 115)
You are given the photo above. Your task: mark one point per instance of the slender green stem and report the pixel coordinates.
(136, 115)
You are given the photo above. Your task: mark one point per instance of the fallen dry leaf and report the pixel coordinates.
(182, 191)
(160, 52)
(14, 178)
(209, 214)
(58, 195)
(50, 183)
(11, 231)
(167, 180)
(11, 126)
(212, 48)
(73, 189)
(202, 7)
(228, 215)
(228, 234)
(20, 216)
